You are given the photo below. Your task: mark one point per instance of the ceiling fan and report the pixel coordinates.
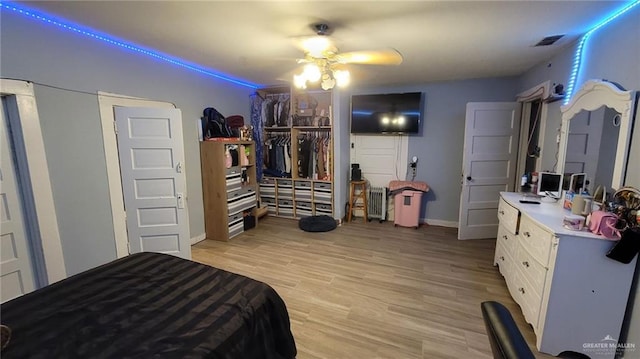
(324, 63)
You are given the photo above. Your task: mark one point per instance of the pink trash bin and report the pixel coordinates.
(407, 208)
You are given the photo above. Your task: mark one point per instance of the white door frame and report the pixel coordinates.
(107, 101)
(26, 131)
(538, 92)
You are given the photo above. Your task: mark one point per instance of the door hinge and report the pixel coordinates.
(115, 127)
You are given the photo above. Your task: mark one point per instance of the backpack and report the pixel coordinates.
(214, 124)
(604, 224)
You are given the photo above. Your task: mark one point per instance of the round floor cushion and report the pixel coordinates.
(317, 224)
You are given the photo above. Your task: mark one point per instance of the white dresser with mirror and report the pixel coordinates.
(573, 296)
(568, 290)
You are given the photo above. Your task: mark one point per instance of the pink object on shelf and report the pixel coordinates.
(407, 208)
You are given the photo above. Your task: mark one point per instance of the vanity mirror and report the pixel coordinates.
(595, 133)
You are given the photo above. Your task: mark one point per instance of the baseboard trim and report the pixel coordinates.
(439, 222)
(198, 238)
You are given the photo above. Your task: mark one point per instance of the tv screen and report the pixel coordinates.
(397, 113)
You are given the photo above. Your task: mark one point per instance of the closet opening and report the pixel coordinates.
(533, 135)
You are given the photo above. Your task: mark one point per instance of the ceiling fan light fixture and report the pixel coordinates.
(328, 84)
(342, 77)
(317, 46)
(312, 72)
(300, 81)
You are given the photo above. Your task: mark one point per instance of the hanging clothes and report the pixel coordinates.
(277, 155)
(256, 123)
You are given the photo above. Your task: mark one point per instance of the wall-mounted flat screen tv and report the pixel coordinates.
(395, 113)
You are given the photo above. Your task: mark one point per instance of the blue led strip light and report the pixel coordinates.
(577, 60)
(77, 29)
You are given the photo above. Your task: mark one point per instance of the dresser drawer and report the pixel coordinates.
(534, 273)
(530, 302)
(536, 240)
(503, 260)
(285, 188)
(508, 216)
(323, 208)
(507, 239)
(235, 219)
(285, 208)
(322, 186)
(285, 183)
(233, 182)
(240, 200)
(302, 185)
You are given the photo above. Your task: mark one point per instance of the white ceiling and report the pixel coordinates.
(254, 40)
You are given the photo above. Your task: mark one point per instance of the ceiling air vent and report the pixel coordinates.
(549, 40)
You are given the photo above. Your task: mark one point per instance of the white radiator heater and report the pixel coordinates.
(377, 203)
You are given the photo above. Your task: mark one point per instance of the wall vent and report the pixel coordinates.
(549, 40)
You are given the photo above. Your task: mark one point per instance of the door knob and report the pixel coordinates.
(469, 178)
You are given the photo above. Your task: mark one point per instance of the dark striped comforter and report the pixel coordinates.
(150, 305)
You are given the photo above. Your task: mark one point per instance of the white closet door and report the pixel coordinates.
(16, 268)
(151, 153)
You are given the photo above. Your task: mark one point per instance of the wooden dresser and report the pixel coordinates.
(573, 296)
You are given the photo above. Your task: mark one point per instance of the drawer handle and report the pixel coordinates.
(501, 212)
(527, 234)
(502, 258)
(521, 290)
(526, 264)
(505, 237)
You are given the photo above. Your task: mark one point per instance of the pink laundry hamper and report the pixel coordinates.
(407, 208)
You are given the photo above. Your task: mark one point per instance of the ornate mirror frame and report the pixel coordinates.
(593, 95)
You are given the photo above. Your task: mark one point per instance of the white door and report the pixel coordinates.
(488, 165)
(151, 154)
(382, 159)
(15, 264)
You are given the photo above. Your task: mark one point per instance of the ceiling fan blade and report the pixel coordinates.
(382, 57)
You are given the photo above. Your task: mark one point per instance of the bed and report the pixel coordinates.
(150, 305)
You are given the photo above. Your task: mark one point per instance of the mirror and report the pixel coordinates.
(595, 134)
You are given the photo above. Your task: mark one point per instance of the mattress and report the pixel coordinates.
(150, 305)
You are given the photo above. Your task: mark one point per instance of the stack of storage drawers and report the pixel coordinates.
(239, 199)
(322, 198)
(268, 194)
(296, 198)
(303, 194)
(285, 198)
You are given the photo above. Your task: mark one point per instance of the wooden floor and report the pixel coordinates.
(372, 290)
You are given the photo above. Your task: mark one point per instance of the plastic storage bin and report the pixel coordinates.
(407, 208)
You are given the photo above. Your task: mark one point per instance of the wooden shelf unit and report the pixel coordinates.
(226, 195)
(311, 112)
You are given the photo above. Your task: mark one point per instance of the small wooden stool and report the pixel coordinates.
(353, 199)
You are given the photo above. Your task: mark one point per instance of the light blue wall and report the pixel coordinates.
(440, 144)
(612, 53)
(41, 53)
